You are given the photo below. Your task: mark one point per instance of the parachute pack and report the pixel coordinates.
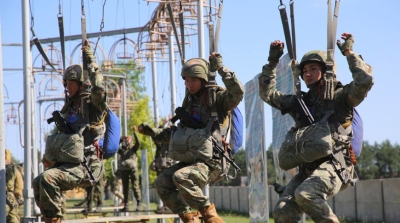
(358, 133)
(236, 130)
(110, 141)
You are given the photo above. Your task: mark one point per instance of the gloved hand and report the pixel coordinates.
(275, 51)
(215, 62)
(88, 52)
(348, 43)
(145, 129)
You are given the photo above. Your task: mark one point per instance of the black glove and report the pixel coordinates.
(215, 62)
(275, 52)
(347, 45)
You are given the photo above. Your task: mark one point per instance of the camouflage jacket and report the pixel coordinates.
(226, 100)
(128, 156)
(345, 97)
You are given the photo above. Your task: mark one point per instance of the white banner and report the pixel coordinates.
(282, 123)
(256, 159)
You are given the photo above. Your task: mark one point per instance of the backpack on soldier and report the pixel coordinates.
(109, 143)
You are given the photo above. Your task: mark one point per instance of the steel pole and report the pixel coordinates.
(155, 94)
(28, 193)
(172, 72)
(2, 142)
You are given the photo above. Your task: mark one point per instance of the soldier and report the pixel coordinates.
(162, 162)
(117, 185)
(317, 180)
(180, 186)
(74, 143)
(128, 168)
(14, 187)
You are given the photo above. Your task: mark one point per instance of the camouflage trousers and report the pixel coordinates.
(12, 215)
(49, 185)
(133, 176)
(307, 193)
(180, 186)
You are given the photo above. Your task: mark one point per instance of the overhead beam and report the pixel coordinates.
(96, 34)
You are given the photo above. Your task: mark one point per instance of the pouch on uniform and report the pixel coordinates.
(304, 145)
(64, 148)
(190, 145)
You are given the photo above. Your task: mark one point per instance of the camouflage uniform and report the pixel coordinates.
(14, 187)
(49, 185)
(128, 168)
(180, 186)
(309, 190)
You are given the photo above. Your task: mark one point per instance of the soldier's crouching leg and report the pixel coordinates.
(36, 186)
(286, 209)
(312, 194)
(167, 191)
(52, 183)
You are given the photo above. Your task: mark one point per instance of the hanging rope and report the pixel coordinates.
(101, 28)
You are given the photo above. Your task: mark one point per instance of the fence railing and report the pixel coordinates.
(367, 201)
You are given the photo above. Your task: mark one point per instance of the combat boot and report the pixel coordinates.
(87, 209)
(52, 220)
(190, 217)
(125, 208)
(138, 206)
(210, 215)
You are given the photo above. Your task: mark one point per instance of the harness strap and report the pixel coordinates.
(293, 28)
(182, 27)
(286, 30)
(62, 38)
(41, 51)
(171, 16)
(218, 28)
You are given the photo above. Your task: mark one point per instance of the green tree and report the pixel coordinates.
(366, 167)
(271, 174)
(387, 159)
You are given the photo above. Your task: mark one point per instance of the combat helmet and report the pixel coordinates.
(73, 73)
(126, 141)
(196, 67)
(318, 56)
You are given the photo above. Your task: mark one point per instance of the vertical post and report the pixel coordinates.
(200, 28)
(155, 94)
(28, 193)
(34, 140)
(172, 71)
(2, 142)
(125, 133)
(145, 179)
